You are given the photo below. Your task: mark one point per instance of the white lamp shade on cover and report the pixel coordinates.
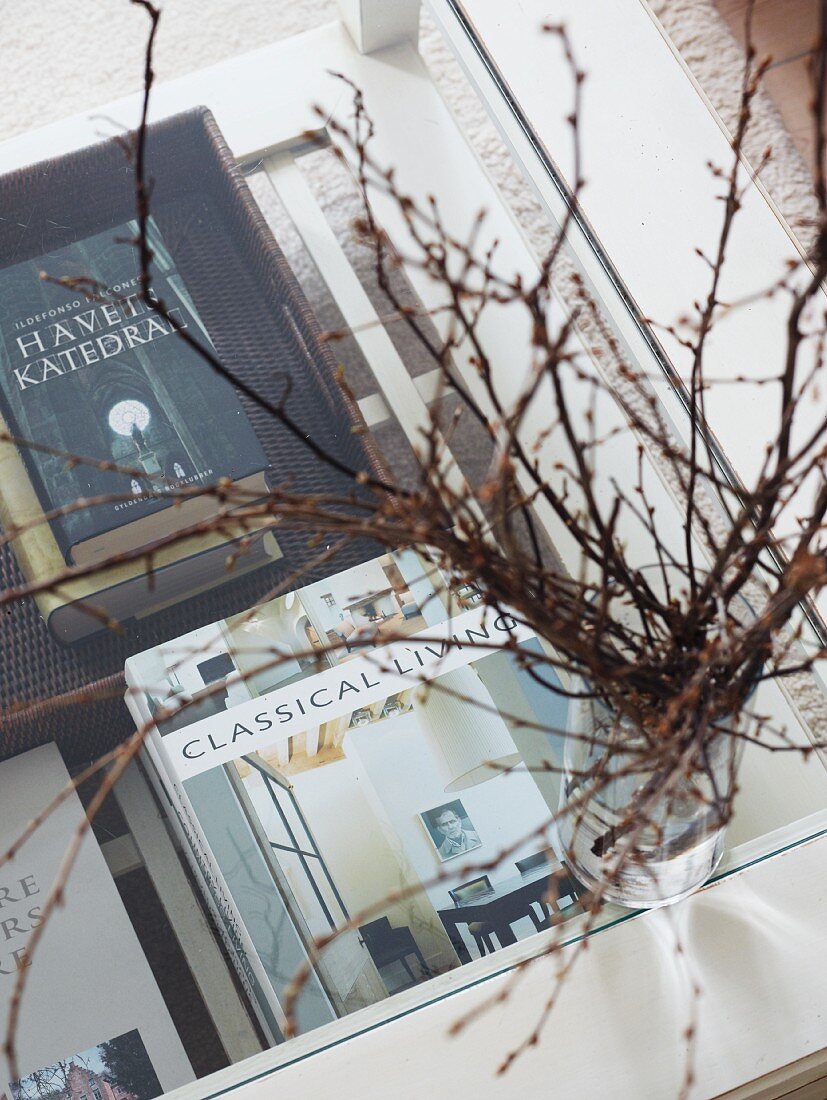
(470, 739)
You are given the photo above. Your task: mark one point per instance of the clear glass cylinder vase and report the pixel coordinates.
(643, 837)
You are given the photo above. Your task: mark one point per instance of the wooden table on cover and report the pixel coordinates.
(507, 902)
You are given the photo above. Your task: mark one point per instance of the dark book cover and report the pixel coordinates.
(110, 380)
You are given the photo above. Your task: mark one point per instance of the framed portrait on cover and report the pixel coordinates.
(450, 830)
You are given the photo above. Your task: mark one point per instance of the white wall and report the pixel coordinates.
(181, 655)
(184, 654)
(421, 586)
(522, 700)
(365, 861)
(404, 772)
(265, 639)
(364, 815)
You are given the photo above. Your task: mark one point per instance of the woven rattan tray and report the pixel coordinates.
(263, 330)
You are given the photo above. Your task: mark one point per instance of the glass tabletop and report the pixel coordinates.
(303, 834)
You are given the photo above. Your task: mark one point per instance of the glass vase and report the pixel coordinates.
(643, 838)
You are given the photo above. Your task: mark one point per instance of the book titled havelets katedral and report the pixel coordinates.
(110, 381)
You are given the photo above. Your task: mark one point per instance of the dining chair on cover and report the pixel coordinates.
(387, 945)
(565, 885)
(482, 931)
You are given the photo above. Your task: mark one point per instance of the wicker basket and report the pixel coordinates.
(263, 330)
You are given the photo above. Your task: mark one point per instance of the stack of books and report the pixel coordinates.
(126, 461)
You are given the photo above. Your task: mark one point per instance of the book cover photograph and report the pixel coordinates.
(116, 1069)
(109, 380)
(332, 753)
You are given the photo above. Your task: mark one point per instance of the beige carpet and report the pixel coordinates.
(58, 57)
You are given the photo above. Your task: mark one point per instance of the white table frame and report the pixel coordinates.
(619, 1021)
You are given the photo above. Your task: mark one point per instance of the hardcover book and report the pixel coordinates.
(108, 380)
(89, 984)
(78, 606)
(327, 752)
(227, 261)
(215, 890)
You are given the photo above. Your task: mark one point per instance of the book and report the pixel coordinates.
(324, 754)
(109, 380)
(76, 607)
(89, 983)
(210, 880)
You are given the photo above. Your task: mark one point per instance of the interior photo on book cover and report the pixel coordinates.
(325, 780)
(108, 379)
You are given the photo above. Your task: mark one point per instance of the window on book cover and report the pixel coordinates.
(127, 417)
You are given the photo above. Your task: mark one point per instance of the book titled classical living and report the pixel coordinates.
(325, 752)
(109, 406)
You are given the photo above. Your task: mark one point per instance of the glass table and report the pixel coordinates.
(346, 814)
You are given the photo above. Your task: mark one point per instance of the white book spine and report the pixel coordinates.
(251, 973)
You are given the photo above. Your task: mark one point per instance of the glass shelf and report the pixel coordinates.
(309, 832)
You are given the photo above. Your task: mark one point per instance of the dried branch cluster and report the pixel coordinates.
(667, 626)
